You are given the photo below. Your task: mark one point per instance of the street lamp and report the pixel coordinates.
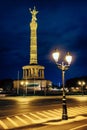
(81, 83)
(63, 67)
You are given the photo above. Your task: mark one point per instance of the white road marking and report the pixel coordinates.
(23, 121)
(44, 115)
(14, 123)
(38, 117)
(50, 114)
(3, 125)
(29, 118)
(52, 111)
(56, 114)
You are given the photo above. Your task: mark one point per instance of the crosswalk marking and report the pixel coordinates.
(14, 123)
(50, 114)
(38, 117)
(23, 121)
(56, 114)
(44, 115)
(3, 125)
(72, 112)
(59, 112)
(29, 118)
(53, 112)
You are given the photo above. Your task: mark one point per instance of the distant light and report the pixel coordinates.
(22, 83)
(81, 83)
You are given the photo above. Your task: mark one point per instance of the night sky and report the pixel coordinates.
(62, 24)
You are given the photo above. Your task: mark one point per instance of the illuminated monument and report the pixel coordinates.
(33, 70)
(33, 74)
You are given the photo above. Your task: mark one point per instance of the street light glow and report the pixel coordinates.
(55, 55)
(68, 58)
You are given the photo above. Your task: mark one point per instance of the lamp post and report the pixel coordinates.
(81, 83)
(63, 67)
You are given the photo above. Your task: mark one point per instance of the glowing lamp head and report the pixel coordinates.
(55, 55)
(68, 58)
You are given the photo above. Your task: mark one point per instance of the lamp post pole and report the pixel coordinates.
(64, 106)
(63, 68)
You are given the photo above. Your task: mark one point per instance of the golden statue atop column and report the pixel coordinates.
(33, 12)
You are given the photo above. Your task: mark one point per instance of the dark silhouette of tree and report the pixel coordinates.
(74, 81)
(6, 84)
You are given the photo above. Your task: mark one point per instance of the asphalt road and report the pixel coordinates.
(35, 103)
(39, 113)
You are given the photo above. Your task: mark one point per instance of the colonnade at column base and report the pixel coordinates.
(33, 72)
